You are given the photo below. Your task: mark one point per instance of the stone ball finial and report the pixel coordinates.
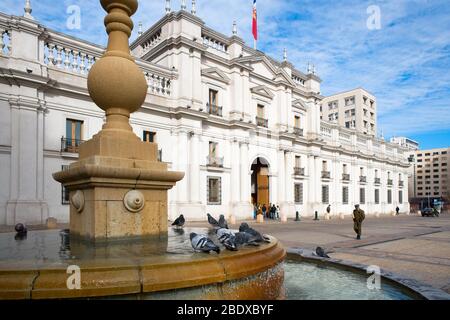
(115, 82)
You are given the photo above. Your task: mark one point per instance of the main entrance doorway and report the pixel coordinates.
(260, 182)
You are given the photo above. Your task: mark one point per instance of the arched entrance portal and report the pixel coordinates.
(260, 182)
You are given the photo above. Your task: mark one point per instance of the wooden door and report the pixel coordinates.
(262, 182)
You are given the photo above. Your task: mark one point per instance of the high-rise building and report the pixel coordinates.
(405, 142)
(429, 177)
(354, 109)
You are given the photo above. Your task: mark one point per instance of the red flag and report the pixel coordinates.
(255, 22)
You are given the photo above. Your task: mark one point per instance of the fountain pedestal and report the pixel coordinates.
(118, 188)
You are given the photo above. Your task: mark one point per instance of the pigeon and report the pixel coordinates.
(21, 229)
(202, 243)
(222, 222)
(179, 222)
(227, 238)
(259, 238)
(244, 238)
(21, 232)
(212, 221)
(223, 234)
(321, 253)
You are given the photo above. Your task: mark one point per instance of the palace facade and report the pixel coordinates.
(244, 127)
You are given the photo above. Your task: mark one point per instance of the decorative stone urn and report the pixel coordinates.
(118, 188)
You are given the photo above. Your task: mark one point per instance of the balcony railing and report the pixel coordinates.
(346, 177)
(363, 179)
(299, 171)
(70, 145)
(401, 183)
(214, 110)
(261, 122)
(326, 175)
(390, 182)
(298, 132)
(215, 161)
(377, 180)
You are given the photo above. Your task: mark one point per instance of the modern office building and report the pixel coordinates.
(244, 127)
(405, 142)
(355, 109)
(429, 176)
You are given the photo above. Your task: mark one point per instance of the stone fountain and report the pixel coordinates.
(119, 238)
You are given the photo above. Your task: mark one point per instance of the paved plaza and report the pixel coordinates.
(411, 246)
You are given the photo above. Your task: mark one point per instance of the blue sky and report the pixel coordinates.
(405, 64)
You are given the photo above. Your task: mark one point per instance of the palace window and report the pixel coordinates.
(389, 196)
(214, 190)
(362, 195)
(298, 193)
(298, 161)
(213, 97)
(325, 194)
(297, 122)
(377, 196)
(261, 120)
(74, 133)
(345, 195)
(148, 136)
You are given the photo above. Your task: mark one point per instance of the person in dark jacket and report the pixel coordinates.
(397, 210)
(358, 218)
(264, 210)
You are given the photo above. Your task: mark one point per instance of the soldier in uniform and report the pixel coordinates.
(358, 218)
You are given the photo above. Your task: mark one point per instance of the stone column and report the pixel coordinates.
(318, 184)
(281, 177)
(26, 202)
(289, 171)
(182, 186)
(312, 181)
(288, 208)
(235, 184)
(246, 209)
(194, 171)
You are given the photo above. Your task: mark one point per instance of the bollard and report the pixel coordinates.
(297, 216)
(316, 216)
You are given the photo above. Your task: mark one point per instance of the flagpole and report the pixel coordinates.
(254, 44)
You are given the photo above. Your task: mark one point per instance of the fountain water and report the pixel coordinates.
(119, 240)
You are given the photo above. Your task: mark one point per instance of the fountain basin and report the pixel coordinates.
(36, 268)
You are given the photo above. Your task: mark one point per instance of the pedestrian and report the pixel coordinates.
(278, 212)
(255, 211)
(259, 210)
(329, 209)
(358, 218)
(264, 210)
(397, 210)
(274, 211)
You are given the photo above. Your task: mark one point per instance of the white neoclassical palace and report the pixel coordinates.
(244, 127)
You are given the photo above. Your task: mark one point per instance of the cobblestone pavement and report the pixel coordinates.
(412, 246)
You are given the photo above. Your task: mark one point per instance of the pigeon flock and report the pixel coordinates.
(228, 238)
